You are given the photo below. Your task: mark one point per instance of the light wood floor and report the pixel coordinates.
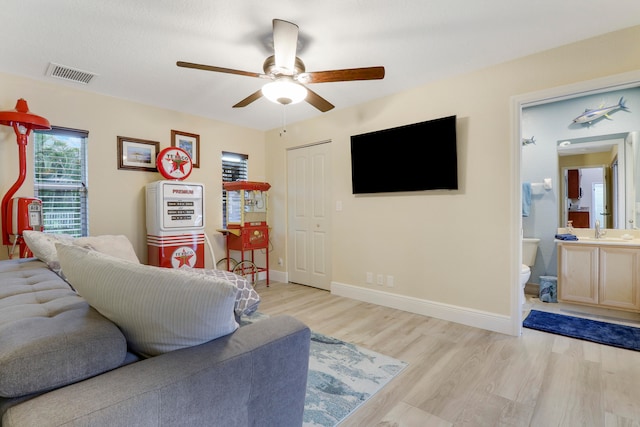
(463, 376)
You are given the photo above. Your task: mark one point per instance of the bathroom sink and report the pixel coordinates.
(604, 240)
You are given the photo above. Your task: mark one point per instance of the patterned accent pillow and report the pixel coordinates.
(247, 299)
(157, 309)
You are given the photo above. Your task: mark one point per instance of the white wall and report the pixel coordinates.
(453, 254)
(116, 197)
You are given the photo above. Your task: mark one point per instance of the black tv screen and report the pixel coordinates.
(415, 157)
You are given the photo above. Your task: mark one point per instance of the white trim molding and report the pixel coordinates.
(275, 276)
(476, 318)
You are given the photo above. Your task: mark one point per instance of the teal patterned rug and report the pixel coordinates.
(342, 376)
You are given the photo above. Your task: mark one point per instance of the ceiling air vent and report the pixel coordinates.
(69, 74)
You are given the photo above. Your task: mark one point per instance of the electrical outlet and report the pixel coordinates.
(390, 281)
(280, 261)
(380, 279)
(369, 277)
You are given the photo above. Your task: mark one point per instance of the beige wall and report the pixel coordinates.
(446, 250)
(116, 197)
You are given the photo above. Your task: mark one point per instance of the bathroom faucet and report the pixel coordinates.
(599, 233)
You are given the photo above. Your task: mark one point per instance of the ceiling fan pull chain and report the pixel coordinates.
(284, 120)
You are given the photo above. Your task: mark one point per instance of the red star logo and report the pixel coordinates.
(183, 259)
(178, 164)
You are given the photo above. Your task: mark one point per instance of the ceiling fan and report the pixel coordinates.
(288, 75)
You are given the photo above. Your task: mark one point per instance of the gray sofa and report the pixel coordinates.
(63, 363)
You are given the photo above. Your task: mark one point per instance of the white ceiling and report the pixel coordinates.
(133, 45)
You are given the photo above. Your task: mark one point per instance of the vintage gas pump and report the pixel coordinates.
(175, 214)
(24, 213)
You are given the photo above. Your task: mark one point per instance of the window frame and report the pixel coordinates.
(79, 226)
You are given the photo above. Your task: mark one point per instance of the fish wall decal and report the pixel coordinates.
(527, 141)
(590, 115)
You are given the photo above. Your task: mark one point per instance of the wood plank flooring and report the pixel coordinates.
(463, 376)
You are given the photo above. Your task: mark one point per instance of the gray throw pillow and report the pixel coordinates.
(157, 309)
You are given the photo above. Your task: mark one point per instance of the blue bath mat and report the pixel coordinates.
(590, 330)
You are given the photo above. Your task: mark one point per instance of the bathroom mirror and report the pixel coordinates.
(598, 181)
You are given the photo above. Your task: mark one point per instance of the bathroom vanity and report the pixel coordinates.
(601, 272)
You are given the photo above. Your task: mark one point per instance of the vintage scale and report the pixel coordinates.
(247, 228)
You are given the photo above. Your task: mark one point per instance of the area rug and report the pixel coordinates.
(585, 329)
(342, 376)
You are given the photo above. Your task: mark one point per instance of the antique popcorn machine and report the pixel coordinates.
(247, 228)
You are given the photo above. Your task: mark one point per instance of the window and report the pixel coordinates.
(60, 166)
(234, 168)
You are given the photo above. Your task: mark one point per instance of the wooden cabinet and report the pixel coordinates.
(619, 283)
(573, 184)
(578, 273)
(602, 275)
(580, 218)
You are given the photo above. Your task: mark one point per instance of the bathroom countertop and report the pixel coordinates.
(614, 237)
(602, 241)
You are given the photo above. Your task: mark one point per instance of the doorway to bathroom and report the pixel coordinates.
(540, 160)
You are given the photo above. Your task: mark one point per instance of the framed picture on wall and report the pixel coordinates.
(137, 154)
(189, 142)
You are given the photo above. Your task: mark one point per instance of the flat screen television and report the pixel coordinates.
(416, 157)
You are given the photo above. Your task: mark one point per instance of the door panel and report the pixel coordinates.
(309, 215)
(319, 249)
(300, 252)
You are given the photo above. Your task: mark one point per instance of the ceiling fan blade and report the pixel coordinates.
(350, 74)
(249, 99)
(285, 44)
(317, 101)
(220, 69)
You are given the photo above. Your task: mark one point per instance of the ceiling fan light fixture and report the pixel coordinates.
(284, 91)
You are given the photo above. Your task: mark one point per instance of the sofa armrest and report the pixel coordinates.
(255, 376)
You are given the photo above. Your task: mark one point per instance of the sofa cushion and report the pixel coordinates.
(43, 246)
(49, 336)
(158, 309)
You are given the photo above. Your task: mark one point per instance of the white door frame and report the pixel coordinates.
(605, 84)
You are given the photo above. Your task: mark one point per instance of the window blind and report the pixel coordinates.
(60, 179)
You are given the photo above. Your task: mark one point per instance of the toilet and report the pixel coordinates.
(529, 252)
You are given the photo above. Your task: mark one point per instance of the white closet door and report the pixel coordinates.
(309, 215)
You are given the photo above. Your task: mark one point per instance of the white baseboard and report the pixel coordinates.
(275, 276)
(466, 316)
